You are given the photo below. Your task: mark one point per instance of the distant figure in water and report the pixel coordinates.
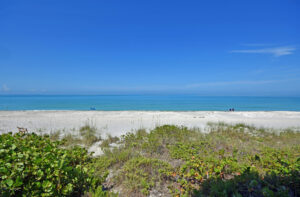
(232, 109)
(92, 108)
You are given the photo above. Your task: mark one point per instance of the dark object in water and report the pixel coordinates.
(92, 108)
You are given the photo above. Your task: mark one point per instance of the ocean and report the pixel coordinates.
(148, 103)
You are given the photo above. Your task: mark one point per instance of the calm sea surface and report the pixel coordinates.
(146, 102)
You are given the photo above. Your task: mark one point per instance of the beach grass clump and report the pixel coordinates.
(32, 165)
(118, 156)
(87, 137)
(55, 136)
(108, 141)
(88, 134)
(140, 174)
(70, 140)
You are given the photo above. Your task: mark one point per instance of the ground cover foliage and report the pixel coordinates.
(226, 160)
(229, 160)
(32, 165)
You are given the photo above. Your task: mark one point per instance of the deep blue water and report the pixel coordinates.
(149, 102)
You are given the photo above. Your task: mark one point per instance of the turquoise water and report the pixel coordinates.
(149, 102)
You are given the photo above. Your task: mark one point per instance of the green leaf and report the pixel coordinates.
(8, 165)
(253, 183)
(13, 147)
(3, 170)
(67, 189)
(9, 182)
(46, 184)
(18, 182)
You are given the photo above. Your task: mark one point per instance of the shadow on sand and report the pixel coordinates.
(251, 184)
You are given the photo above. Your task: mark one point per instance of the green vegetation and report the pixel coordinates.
(87, 137)
(54, 136)
(109, 140)
(229, 160)
(32, 165)
(70, 140)
(88, 134)
(140, 174)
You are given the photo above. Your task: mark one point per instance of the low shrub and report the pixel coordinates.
(250, 183)
(32, 165)
(140, 174)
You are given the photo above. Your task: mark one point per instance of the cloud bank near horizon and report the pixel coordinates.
(275, 51)
(4, 88)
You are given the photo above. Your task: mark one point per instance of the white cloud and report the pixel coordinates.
(276, 51)
(257, 45)
(226, 83)
(5, 88)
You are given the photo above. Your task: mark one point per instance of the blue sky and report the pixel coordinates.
(223, 48)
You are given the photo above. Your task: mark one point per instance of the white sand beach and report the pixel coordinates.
(117, 123)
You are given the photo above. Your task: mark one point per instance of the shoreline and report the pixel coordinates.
(72, 110)
(118, 123)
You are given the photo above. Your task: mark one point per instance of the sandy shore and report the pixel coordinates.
(120, 122)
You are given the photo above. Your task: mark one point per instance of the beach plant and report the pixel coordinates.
(54, 136)
(88, 134)
(69, 140)
(108, 141)
(32, 165)
(140, 174)
(229, 160)
(223, 162)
